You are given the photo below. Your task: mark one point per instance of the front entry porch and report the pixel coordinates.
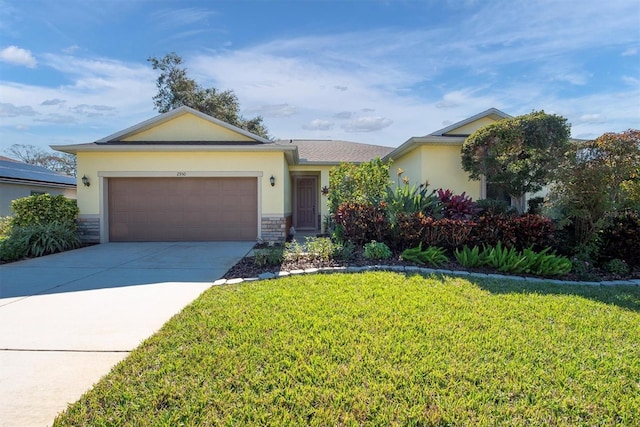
(306, 203)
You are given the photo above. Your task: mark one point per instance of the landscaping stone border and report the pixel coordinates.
(422, 271)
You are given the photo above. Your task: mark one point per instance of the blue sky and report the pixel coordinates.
(380, 72)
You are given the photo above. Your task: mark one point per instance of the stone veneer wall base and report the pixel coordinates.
(89, 230)
(274, 228)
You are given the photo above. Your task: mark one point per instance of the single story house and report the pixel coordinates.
(184, 175)
(18, 179)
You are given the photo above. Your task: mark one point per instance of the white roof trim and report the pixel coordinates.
(490, 112)
(291, 152)
(147, 124)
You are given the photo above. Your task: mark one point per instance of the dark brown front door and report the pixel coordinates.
(306, 200)
(182, 209)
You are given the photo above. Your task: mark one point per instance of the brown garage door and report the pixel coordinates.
(182, 209)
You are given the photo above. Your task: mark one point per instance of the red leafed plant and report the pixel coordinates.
(457, 206)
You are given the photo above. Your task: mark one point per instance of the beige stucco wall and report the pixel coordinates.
(98, 166)
(469, 128)
(440, 165)
(187, 127)
(12, 191)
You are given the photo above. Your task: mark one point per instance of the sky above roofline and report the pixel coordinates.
(376, 72)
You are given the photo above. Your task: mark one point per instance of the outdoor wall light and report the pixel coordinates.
(85, 181)
(272, 180)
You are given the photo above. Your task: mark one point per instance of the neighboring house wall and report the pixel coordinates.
(12, 191)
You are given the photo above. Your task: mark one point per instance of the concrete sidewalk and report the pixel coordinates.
(66, 319)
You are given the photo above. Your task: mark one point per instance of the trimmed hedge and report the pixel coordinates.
(361, 223)
(44, 209)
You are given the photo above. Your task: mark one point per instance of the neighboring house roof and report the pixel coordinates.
(18, 172)
(333, 152)
(454, 134)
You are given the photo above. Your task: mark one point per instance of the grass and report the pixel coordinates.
(382, 349)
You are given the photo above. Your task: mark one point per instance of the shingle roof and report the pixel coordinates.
(14, 170)
(331, 151)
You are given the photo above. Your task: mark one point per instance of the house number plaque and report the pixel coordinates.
(181, 174)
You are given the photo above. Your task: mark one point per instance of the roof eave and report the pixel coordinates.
(36, 182)
(416, 141)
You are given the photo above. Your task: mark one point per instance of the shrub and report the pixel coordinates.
(458, 206)
(345, 251)
(535, 205)
(44, 209)
(6, 222)
(363, 183)
(416, 228)
(268, 256)
(294, 251)
(363, 222)
(376, 250)
(618, 267)
(529, 230)
(493, 207)
(320, 247)
(37, 240)
(621, 238)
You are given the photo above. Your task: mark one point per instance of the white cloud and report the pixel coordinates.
(592, 118)
(367, 124)
(632, 51)
(10, 110)
(18, 56)
(277, 110)
(71, 49)
(318, 124)
(54, 101)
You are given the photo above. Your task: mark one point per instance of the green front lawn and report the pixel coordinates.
(382, 349)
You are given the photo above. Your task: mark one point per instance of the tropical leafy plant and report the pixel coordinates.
(432, 255)
(38, 240)
(457, 206)
(407, 199)
(470, 257)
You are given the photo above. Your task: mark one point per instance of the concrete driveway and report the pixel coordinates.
(67, 319)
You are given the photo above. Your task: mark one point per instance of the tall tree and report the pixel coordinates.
(518, 154)
(595, 181)
(63, 163)
(176, 88)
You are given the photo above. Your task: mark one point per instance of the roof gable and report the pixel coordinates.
(469, 125)
(184, 125)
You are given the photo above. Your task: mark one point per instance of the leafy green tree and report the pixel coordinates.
(518, 154)
(176, 88)
(363, 183)
(594, 182)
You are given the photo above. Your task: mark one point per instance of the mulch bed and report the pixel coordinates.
(246, 267)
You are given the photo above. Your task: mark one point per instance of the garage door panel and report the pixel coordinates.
(182, 209)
